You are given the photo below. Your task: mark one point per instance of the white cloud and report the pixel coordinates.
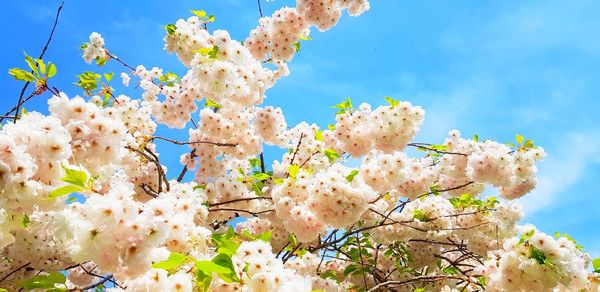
(564, 166)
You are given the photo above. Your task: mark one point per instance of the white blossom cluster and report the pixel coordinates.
(311, 221)
(95, 48)
(387, 128)
(276, 35)
(540, 263)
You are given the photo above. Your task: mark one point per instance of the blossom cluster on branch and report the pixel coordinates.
(87, 204)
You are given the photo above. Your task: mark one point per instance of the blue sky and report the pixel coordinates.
(488, 68)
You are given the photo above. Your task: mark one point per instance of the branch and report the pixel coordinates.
(40, 57)
(238, 200)
(191, 143)
(14, 271)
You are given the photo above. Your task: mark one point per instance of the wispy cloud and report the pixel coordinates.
(559, 173)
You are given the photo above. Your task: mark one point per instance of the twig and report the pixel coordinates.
(40, 57)
(14, 271)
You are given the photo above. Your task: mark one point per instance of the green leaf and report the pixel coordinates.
(526, 236)
(109, 76)
(25, 222)
(44, 281)
(210, 103)
(519, 139)
(292, 239)
(331, 155)
(265, 236)
(596, 265)
(211, 18)
(63, 191)
(331, 127)
(297, 46)
(451, 270)
(209, 52)
(199, 13)
(41, 65)
(220, 264)
(304, 38)
(74, 176)
(421, 215)
(419, 290)
(537, 255)
(170, 28)
(391, 101)
(51, 69)
(476, 138)
(225, 242)
(345, 105)
(175, 260)
(31, 64)
(20, 74)
(254, 162)
(351, 176)
(318, 135)
(293, 170)
(329, 274)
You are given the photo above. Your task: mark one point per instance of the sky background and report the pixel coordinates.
(492, 68)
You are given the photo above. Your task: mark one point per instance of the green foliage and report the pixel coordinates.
(331, 155)
(170, 28)
(172, 263)
(596, 265)
(421, 215)
(343, 106)
(211, 103)
(204, 17)
(331, 127)
(351, 176)
(26, 221)
(391, 101)
(466, 201)
(77, 180)
(211, 53)
(319, 135)
(293, 170)
(88, 81)
(53, 282)
(38, 71)
(169, 79)
(526, 236)
(226, 242)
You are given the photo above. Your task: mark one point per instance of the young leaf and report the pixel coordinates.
(109, 76)
(211, 18)
(210, 103)
(45, 282)
(318, 135)
(51, 69)
(75, 176)
(41, 65)
(351, 176)
(175, 260)
(170, 28)
(63, 191)
(331, 155)
(20, 74)
(25, 222)
(199, 13)
(391, 101)
(293, 170)
(596, 265)
(519, 139)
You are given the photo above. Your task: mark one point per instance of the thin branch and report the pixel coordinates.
(259, 9)
(195, 142)
(40, 57)
(239, 200)
(14, 271)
